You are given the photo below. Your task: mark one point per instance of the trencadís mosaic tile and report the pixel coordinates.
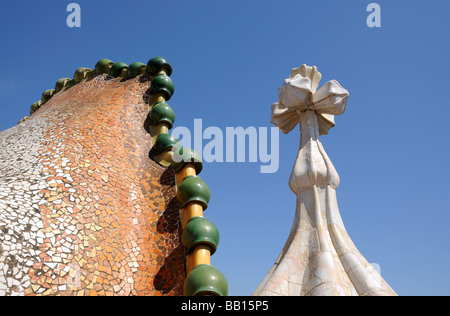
(83, 209)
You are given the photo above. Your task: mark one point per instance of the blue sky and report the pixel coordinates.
(390, 147)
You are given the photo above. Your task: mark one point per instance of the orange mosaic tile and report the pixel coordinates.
(106, 219)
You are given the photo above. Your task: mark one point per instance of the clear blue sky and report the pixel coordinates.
(391, 147)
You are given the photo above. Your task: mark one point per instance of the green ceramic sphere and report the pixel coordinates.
(157, 64)
(35, 106)
(81, 74)
(47, 95)
(164, 85)
(165, 142)
(136, 69)
(205, 279)
(200, 230)
(61, 84)
(117, 68)
(162, 112)
(184, 156)
(193, 189)
(103, 66)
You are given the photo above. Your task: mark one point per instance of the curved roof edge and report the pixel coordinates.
(103, 66)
